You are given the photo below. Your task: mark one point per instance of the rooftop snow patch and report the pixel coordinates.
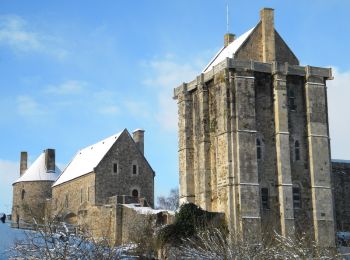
(146, 210)
(228, 51)
(87, 159)
(38, 172)
(340, 161)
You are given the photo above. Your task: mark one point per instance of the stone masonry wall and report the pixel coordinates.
(69, 198)
(341, 180)
(267, 164)
(299, 168)
(124, 153)
(32, 205)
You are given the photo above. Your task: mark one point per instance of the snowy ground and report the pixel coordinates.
(8, 236)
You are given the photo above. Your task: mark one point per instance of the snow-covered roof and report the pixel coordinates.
(38, 172)
(86, 159)
(228, 51)
(340, 161)
(146, 210)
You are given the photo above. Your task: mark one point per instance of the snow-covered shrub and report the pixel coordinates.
(60, 241)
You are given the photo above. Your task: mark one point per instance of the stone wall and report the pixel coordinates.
(132, 224)
(341, 180)
(125, 154)
(29, 200)
(71, 197)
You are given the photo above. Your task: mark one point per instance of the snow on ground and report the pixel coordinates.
(8, 236)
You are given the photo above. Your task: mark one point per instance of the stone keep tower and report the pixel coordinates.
(254, 139)
(33, 188)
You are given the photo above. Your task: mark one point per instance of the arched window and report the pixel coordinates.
(265, 198)
(258, 149)
(296, 197)
(23, 194)
(135, 193)
(297, 150)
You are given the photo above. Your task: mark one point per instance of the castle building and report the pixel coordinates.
(107, 188)
(254, 138)
(32, 189)
(114, 168)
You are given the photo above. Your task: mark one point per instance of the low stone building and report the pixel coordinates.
(107, 188)
(32, 189)
(110, 172)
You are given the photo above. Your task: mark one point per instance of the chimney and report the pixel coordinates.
(138, 136)
(50, 160)
(228, 38)
(268, 34)
(24, 163)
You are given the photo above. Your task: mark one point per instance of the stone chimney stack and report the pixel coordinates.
(268, 34)
(138, 136)
(23, 163)
(228, 38)
(50, 160)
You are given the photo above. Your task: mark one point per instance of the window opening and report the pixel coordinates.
(265, 198)
(258, 149)
(296, 198)
(291, 99)
(115, 167)
(23, 194)
(66, 201)
(297, 150)
(135, 193)
(134, 169)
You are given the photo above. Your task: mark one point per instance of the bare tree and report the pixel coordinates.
(214, 244)
(58, 240)
(171, 202)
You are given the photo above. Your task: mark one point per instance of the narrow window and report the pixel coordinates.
(88, 194)
(115, 167)
(135, 193)
(265, 198)
(66, 201)
(291, 100)
(134, 169)
(297, 150)
(81, 195)
(23, 194)
(258, 149)
(296, 198)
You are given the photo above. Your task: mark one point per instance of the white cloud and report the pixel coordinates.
(339, 107)
(9, 172)
(166, 74)
(27, 106)
(67, 88)
(16, 33)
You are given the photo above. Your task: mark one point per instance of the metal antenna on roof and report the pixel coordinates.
(227, 22)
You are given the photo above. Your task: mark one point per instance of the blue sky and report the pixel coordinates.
(75, 72)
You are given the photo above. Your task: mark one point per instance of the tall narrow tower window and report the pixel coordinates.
(265, 198)
(66, 201)
(258, 149)
(23, 194)
(291, 100)
(297, 150)
(296, 197)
